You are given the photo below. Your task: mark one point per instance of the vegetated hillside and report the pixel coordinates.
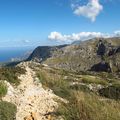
(90, 96)
(98, 54)
(11, 74)
(45, 92)
(8, 75)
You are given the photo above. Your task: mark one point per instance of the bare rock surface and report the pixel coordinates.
(32, 101)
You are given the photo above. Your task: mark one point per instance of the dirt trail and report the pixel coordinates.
(32, 101)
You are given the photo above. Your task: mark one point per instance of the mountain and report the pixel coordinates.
(22, 57)
(98, 54)
(41, 53)
(76, 42)
(63, 86)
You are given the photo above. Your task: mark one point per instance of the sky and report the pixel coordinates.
(27, 23)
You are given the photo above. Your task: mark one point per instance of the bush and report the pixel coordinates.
(92, 79)
(3, 89)
(7, 111)
(112, 92)
(11, 74)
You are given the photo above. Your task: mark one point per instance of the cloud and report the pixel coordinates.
(75, 36)
(117, 33)
(57, 36)
(26, 41)
(91, 10)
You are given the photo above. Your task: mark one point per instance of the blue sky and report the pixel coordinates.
(50, 22)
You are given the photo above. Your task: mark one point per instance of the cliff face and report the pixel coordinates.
(41, 53)
(95, 54)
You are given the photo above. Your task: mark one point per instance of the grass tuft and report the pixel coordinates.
(83, 106)
(3, 89)
(7, 111)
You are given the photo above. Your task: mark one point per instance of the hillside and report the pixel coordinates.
(33, 102)
(98, 54)
(36, 91)
(68, 82)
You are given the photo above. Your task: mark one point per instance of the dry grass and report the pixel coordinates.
(83, 104)
(55, 82)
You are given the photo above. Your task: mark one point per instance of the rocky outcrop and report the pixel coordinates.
(41, 53)
(32, 100)
(102, 66)
(101, 48)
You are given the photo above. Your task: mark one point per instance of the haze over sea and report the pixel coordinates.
(6, 54)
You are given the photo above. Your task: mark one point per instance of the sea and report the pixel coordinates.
(7, 54)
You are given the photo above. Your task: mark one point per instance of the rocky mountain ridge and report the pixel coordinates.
(98, 54)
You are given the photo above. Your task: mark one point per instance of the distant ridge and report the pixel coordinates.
(98, 54)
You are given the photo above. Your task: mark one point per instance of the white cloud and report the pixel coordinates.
(117, 33)
(91, 10)
(75, 36)
(57, 36)
(26, 41)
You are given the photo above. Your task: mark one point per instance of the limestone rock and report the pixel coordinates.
(32, 100)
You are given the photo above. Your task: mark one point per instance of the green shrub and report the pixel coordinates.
(92, 79)
(3, 89)
(7, 111)
(112, 92)
(11, 74)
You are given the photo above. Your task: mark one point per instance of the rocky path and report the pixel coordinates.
(32, 101)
